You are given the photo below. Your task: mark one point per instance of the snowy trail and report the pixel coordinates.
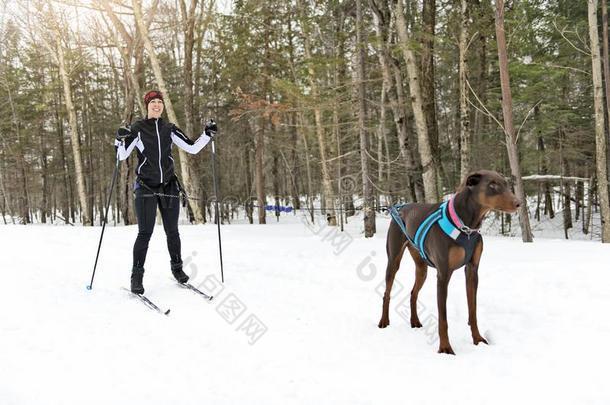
(543, 307)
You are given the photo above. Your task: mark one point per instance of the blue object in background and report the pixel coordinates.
(278, 208)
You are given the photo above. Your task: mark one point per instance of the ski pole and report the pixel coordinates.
(114, 176)
(222, 275)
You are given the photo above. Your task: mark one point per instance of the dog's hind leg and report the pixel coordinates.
(421, 271)
(395, 247)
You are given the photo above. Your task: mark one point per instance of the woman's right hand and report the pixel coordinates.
(123, 132)
(211, 128)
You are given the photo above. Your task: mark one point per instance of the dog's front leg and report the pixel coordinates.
(472, 283)
(442, 283)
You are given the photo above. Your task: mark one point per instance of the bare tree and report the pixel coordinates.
(428, 20)
(425, 150)
(369, 213)
(465, 130)
(259, 159)
(600, 136)
(509, 128)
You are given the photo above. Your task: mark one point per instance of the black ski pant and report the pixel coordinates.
(146, 212)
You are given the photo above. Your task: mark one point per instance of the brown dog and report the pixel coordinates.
(481, 192)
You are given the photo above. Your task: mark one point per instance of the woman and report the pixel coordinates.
(156, 184)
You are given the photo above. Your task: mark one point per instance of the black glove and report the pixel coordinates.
(211, 128)
(123, 132)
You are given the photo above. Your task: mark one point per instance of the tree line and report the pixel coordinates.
(332, 105)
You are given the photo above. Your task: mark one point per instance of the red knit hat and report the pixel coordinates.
(151, 95)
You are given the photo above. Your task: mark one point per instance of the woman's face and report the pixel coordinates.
(155, 108)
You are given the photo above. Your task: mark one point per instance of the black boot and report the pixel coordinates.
(137, 273)
(180, 276)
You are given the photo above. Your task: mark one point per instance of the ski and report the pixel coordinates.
(194, 289)
(146, 301)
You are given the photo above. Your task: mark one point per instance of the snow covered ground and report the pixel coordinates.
(295, 323)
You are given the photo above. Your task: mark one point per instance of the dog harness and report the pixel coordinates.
(449, 222)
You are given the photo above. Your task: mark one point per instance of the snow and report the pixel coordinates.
(315, 295)
(543, 177)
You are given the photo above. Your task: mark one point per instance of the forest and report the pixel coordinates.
(336, 106)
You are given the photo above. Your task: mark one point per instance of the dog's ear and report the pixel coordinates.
(473, 179)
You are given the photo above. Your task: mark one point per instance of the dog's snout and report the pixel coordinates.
(517, 203)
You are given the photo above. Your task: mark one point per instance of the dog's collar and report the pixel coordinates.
(451, 219)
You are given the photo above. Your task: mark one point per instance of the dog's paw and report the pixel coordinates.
(415, 323)
(446, 350)
(479, 339)
(384, 322)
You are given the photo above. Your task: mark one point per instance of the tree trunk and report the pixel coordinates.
(339, 75)
(546, 186)
(248, 177)
(381, 135)
(293, 118)
(44, 204)
(125, 170)
(567, 205)
(369, 212)
(64, 195)
(425, 150)
(6, 208)
(586, 223)
(406, 143)
(427, 77)
(275, 174)
(88, 145)
(600, 136)
(606, 67)
(509, 129)
(259, 148)
(294, 169)
(465, 137)
(24, 198)
(579, 192)
(307, 167)
(189, 179)
(326, 179)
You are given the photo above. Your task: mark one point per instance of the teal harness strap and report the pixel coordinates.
(422, 232)
(446, 225)
(396, 217)
(394, 212)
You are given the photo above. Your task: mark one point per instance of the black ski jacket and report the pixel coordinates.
(154, 139)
